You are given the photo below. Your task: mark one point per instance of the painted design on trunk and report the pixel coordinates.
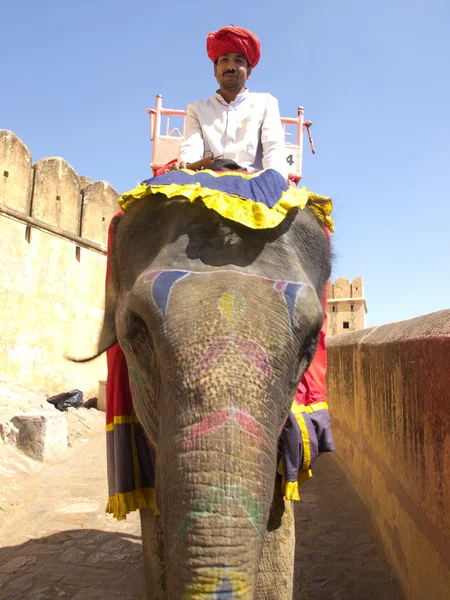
(215, 420)
(232, 305)
(219, 584)
(255, 354)
(251, 351)
(212, 354)
(218, 496)
(207, 425)
(225, 589)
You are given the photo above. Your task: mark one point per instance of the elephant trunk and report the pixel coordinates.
(215, 486)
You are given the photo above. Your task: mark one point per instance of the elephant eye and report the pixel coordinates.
(305, 356)
(137, 328)
(137, 342)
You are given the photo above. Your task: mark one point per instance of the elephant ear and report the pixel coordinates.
(108, 337)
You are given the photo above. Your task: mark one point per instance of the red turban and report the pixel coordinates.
(233, 39)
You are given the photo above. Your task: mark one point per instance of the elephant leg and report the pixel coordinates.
(275, 579)
(153, 553)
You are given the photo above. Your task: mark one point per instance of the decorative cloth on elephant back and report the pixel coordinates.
(130, 458)
(307, 431)
(258, 201)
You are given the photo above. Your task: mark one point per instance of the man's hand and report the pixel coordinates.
(291, 183)
(176, 165)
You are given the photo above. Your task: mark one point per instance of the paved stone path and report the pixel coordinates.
(338, 553)
(58, 543)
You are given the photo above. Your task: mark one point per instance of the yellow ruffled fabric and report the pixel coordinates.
(120, 505)
(255, 215)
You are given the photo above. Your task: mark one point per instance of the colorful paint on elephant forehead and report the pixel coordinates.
(232, 304)
(151, 275)
(162, 286)
(215, 498)
(252, 352)
(241, 419)
(290, 293)
(219, 583)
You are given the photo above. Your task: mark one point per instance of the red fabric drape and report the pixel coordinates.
(118, 393)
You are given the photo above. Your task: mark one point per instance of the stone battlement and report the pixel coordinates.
(51, 192)
(53, 231)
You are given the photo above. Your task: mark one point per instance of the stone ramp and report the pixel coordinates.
(60, 544)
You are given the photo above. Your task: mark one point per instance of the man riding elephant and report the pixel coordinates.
(240, 127)
(214, 288)
(243, 129)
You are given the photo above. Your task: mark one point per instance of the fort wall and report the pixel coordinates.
(53, 239)
(390, 405)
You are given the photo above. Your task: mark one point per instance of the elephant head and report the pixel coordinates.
(218, 324)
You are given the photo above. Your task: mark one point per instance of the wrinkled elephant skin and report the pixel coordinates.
(218, 323)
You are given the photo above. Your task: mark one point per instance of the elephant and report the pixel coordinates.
(220, 322)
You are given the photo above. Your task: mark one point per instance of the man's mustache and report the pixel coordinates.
(228, 72)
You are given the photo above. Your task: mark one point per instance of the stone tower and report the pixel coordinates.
(346, 306)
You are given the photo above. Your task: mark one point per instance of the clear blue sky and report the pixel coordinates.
(374, 77)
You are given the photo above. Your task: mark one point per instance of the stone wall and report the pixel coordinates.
(52, 282)
(388, 389)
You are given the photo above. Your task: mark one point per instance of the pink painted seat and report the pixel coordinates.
(166, 141)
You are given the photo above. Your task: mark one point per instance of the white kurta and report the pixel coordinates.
(248, 131)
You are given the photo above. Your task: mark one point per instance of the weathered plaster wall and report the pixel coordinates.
(389, 393)
(51, 289)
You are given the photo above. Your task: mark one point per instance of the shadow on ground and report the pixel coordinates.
(87, 564)
(338, 553)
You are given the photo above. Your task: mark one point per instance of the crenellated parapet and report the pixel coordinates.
(50, 195)
(347, 306)
(53, 236)
(16, 174)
